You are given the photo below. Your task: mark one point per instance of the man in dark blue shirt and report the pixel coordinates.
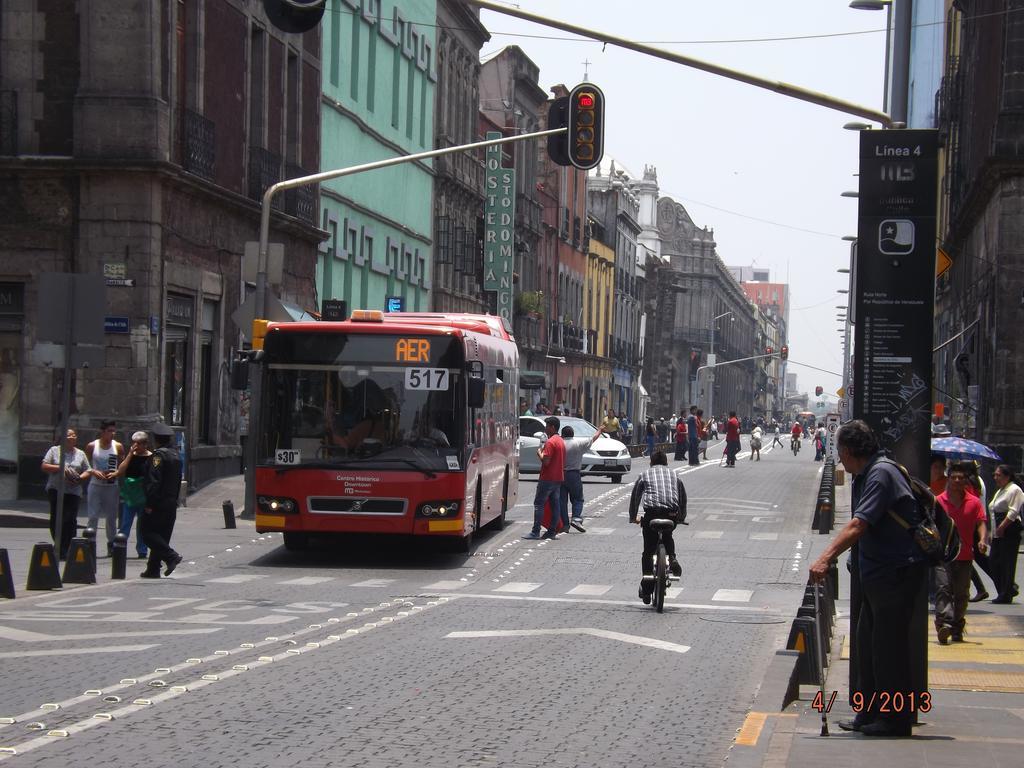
(893, 582)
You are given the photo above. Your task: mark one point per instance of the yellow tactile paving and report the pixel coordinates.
(975, 680)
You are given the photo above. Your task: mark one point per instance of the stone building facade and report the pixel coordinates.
(139, 150)
(690, 289)
(459, 177)
(979, 362)
(616, 205)
(512, 99)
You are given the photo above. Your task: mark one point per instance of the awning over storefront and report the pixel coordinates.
(533, 380)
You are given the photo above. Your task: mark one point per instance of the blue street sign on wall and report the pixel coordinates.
(395, 304)
(116, 325)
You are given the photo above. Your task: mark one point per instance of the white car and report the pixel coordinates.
(606, 456)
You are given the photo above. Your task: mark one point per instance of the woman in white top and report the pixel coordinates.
(1006, 512)
(76, 472)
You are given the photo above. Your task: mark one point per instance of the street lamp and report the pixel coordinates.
(711, 364)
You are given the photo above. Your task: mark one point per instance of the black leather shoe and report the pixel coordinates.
(979, 597)
(887, 729)
(645, 595)
(675, 567)
(856, 724)
(173, 563)
(147, 574)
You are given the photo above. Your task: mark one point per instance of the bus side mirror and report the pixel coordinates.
(239, 373)
(476, 393)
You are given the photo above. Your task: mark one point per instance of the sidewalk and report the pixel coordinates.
(977, 690)
(198, 531)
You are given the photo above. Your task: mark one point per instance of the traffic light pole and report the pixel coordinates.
(256, 386)
(785, 89)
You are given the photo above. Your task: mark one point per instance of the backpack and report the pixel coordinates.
(936, 534)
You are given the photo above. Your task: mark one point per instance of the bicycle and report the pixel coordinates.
(794, 444)
(662, 576)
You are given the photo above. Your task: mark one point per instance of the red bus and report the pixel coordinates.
(390, 423)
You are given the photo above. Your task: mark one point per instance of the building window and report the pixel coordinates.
(180, 310)
(207, 371)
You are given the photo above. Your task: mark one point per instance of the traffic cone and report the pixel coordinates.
(79, 568)
(42, 569)
(6, 581)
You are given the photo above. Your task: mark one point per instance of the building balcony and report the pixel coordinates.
(463, 167)
(196, 145)
(527, 332)
(264, 170)
(528, 213)
(300, 202)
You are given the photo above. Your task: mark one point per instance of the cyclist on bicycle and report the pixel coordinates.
(661, 493)
(797, 432)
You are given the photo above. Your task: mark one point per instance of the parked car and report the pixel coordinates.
(606, 456)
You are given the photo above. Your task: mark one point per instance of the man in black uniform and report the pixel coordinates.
(161, 482)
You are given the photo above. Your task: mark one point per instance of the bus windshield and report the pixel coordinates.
(367, 415)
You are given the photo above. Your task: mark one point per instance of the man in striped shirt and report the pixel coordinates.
(661, 493)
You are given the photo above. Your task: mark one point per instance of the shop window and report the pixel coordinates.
(207, 372)
(176, 376)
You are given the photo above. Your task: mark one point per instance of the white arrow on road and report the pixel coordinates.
(649, 642)
(27, 636)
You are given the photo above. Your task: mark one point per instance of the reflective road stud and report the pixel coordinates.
(42, 569)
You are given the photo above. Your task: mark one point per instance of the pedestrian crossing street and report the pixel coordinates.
(506, 588)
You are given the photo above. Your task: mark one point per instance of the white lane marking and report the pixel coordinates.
(446, 585)
(308, 581)
(605, 601)
(238, 579)
(599, 531)
(373, 583)
(77, 651)
(764, 537)
(518, 587)
(594, 590)
(26, 636)
(673, 592)
(708, 534)
(733, 595)
(649, 642)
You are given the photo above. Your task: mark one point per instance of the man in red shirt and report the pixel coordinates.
(549, 484)
(953, 580)
(732, 439)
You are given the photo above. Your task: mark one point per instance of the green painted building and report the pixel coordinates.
(378, 80)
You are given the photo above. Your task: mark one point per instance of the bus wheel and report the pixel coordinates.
(465, 544)
(498, 523)
(295, 542)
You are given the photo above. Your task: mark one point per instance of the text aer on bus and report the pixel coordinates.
(401, 423)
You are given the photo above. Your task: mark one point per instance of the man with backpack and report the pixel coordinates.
(953, 580)
(893, 581)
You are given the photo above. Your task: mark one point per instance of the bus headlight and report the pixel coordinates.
(277, 505)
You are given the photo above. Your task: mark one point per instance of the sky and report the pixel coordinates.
(765, 171)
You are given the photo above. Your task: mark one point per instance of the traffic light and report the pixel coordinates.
(784, 352)
(582, 114)
(585, 140)
(818, 391)
(767, 350)
(295, 16)
(259, 332)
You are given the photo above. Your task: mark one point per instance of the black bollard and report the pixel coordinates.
(90, 535)
(118, 556)
(229, 514)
